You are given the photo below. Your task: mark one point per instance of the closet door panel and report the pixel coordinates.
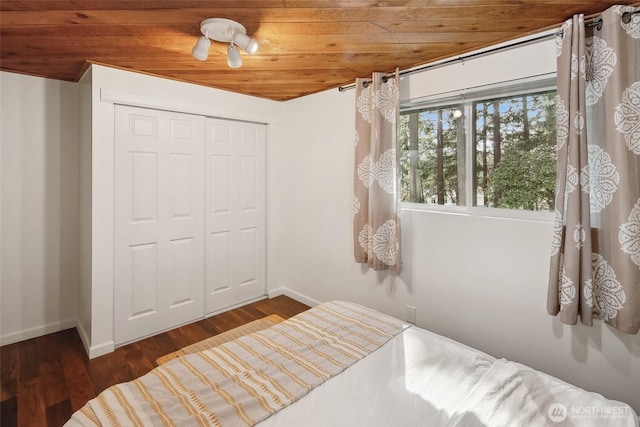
(183, 254)
(222, 210)
(235, 221)
(144, 206)
(143, 280)
(252, 211)
(219, 264)
(159, 221)
(220, 166)
(182, 179)
(248, 256)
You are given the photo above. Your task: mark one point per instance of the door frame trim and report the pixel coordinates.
(114, 96)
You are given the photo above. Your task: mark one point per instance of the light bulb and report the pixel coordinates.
(233, 56)
(247, 44)
(201, 50)
(251, 47)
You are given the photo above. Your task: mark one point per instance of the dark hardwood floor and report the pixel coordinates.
(45, 379)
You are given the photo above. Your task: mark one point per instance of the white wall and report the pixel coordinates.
(311, 199)
(40, 206)
(478, 279)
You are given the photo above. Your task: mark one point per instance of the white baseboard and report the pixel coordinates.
(295, 295)
(37, 331)
(93, 351)
(101, 349)
(84, 336)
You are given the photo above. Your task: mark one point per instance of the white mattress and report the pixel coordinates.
(422, 379)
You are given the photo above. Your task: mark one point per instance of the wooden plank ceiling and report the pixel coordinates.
(306, 46)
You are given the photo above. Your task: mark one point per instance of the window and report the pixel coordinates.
(505, 154)
(432, 156)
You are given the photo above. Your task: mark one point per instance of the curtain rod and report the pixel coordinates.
(593, 22)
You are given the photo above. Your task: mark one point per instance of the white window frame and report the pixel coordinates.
(466, 97)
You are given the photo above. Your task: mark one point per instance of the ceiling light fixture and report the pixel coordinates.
(228, 31)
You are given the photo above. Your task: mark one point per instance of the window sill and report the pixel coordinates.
(482, 212)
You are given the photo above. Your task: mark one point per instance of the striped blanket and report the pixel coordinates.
(246, 380)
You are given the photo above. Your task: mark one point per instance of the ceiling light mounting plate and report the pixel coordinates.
(221, 29)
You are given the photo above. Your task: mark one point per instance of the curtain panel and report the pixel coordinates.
(595, 256)
(376, 204)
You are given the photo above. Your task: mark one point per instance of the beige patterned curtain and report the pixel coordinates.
(595, 257)
(376, 227)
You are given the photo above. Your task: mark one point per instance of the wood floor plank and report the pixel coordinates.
(109, 369)
(49, 362)
(229, 319)
(208, 326)
(80, 387)
(8, 372)
(194, 332)
(139, 363)
(59, 413)
(156, 346)
(9, 412)
(121, 371)
(31, 407)
(44, 380)
(54, 388)
(29, 366)
(179, 337)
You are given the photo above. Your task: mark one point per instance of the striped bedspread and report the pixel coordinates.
(246, 380)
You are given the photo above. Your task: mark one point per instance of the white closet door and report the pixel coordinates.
(159, 221)
(235, 213)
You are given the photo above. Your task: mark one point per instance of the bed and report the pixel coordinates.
(342, 364)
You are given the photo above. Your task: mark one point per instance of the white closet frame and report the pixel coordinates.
(96, 297)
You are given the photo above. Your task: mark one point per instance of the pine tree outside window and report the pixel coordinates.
(489, 150)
